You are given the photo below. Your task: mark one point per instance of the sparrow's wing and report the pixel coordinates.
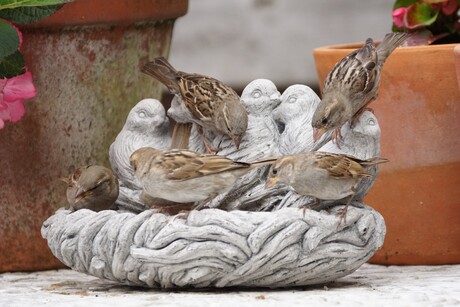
(340, 166)
(184, 164)
(355, 73)
(202, 94)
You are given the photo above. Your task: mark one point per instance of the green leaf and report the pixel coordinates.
(11, 4)
(434, 1)
(401, 3)
(12, 65)
(9, 39)
(421, 14)
(28, 14)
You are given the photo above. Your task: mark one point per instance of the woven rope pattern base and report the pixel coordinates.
(215, 248)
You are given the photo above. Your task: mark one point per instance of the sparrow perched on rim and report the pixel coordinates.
(321, 175)
(91, 187)
(352, 84)
(212, 104)
(185, 176)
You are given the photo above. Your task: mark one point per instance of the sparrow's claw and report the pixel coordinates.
(337, 137)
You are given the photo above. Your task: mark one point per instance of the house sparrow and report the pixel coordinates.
(185, 176)
(321, 175)
(363, 142)
(352, 84)
(146, 125)
(92, 187)
(212, 104)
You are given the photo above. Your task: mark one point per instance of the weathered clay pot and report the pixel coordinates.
(85, 62)
(418, 192)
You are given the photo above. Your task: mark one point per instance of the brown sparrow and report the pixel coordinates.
(321, 175)
(212, 104)
(351, 85)
(185, 176)
(92, 187)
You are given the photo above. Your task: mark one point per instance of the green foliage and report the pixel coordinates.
(9, 39)
(11, 4)
(12, 65)
(401, 3)
(28, 14)
(421, 14)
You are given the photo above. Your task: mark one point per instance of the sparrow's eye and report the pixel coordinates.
(256, 93)
(325, 121)
(275, 171)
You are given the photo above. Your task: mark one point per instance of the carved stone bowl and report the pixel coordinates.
(215, 248)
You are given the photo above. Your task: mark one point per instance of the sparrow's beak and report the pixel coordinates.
(318, 132)
(271, 182)
(80, 194)
(237, 141)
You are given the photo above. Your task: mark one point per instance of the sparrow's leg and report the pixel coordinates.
(209, 148)
(336, 137)
(342, 213)
(203, 204)
(310, 205)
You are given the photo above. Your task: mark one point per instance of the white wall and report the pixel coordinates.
(237, 41)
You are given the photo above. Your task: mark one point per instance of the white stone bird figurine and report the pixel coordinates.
(261, 139)
(146, 125)
(293, 116)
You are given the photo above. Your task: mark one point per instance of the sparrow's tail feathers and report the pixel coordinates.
(374, 161)
(181, 135)
(390, 43)
(264, 161)
(161, 70)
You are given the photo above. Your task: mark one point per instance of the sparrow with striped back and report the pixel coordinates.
(185, 176)
(351, 85)
(211, 104)
(321, 175)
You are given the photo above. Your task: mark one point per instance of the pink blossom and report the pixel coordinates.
(12, 92)
(398, 16)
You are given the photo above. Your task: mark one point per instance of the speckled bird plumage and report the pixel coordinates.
(91, 187)
(185, 176)
(213, 105)
(324, 176)
(352, 84)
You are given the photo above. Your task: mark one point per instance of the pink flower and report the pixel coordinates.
(398, 16)
(12, 92)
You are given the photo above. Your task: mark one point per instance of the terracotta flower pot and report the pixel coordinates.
(85, 62)
(418, 192)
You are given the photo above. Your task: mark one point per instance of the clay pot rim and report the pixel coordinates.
(97, 12)
(347, 48)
